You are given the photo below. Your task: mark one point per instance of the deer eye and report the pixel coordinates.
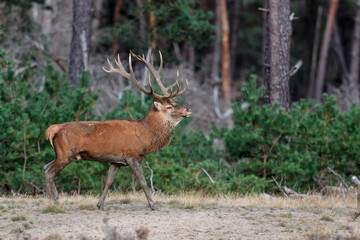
(169, 107)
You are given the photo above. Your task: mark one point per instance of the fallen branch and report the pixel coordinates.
(208, 175)
(341, 179)
(227, 112)
(22, 69)
(292, 193)
(279, 186)
(36, 187)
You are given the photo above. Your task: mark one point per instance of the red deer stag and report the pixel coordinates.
(118, 142)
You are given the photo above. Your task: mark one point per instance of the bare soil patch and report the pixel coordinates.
(187, 216)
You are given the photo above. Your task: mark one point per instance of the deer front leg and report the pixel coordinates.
(114, 168)
(136, 165)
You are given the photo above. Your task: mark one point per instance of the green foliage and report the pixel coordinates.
(182, 20)
(268, 142)
(245, 184)
(176, 21)
(3, 53)
(26, 111)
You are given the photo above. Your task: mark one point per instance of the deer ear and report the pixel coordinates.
(157, 106)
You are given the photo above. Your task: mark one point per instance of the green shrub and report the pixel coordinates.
(246, 184)
(296, 147)
(27, 109)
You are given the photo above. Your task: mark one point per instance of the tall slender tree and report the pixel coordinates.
(80, 42)
(354, 67)
(314, 55)
(266, 54)
(225, 73)
(320, 76)
(234, 35)
(117, 9)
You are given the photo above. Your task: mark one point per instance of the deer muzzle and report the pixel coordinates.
(186, 113)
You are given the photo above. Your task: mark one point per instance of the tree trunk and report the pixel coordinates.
(190, 49)
(339, 50)
(225, 53)
(266, 54)
(152, 27)
(234, 36)
(325, 50)
(142, 21)
(115, 45)
(46, 24)
(312, 82)
(82, 19)
(280, 33)
(354, 67)
(217, 47)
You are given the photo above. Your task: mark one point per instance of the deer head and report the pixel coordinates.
(171, 112)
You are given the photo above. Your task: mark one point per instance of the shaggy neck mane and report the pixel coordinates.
(159, 130)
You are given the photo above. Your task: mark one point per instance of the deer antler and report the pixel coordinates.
(156, 73)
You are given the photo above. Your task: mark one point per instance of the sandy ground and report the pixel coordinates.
(179, 217)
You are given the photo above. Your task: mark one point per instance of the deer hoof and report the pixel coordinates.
(100, 206)
(154, 208)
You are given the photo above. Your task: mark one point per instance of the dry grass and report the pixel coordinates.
(192, 199)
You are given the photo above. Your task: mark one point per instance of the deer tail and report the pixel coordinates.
(51, 132)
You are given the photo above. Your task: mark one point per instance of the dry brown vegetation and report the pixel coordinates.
(183, 216)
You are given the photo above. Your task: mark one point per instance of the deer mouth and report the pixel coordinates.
(187, 113)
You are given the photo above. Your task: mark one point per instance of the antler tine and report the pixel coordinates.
(176, 82)
(177, 91)
(150, 84)
(184, 90)
(161, 62)
(130, 67)
(121, 69)
(131, 76)
(111, 67)
(155, 73)
(157, 76)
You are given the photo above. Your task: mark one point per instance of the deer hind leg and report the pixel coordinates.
(50, 186)
(51, 170)
(114, 168)
(136, 166)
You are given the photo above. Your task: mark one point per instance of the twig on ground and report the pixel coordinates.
(36, 187)
(279, 186)
(341, 179)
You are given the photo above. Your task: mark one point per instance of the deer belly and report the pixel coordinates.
(107, 158)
